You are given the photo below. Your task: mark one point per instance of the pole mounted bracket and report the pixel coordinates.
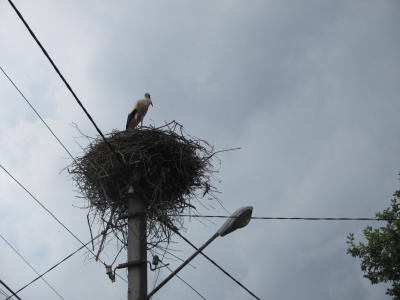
(132, 215)
(155, 262)
(130, 264)
(111, 273)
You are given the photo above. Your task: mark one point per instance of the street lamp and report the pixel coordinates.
(238, 219)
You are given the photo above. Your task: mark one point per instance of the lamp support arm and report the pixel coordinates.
(182, 265)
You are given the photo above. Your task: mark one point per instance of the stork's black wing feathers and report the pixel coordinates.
(130, 117)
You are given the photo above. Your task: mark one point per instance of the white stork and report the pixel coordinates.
(138, 112)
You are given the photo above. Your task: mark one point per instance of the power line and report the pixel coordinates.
(185, 282)
(212, 261)
(30, 266)
(57, 264)
(40, 119)
(64, 80)
(3, 293)
(59, 141)
(166, 265)
(54, 216)
(291, 218)
(10, 290)
(45, 208)
(177, 257)
(37, 113)
(69, 153)
(84, 245)
(174, 229)
(80, 104)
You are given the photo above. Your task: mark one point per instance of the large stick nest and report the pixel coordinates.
(171, 169)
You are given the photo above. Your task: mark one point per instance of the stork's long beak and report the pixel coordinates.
(151, 103)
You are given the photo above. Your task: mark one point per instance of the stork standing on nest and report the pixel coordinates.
(138, 112)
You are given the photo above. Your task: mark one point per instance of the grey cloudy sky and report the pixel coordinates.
(308, 89)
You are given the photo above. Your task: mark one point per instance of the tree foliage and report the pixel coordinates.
(380, 256)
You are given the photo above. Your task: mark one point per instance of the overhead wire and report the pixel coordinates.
(30, 266)
(45, 208)
(290, 218)
(56, 265)
(3, 292)
(213, 262)
(48, 127)
(186, 283)
(10, 290)
(44, 122)
(78, 101)
(173, 255)
(64, 80)
(180, 278)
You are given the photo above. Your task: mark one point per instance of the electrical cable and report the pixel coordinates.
(54, 216)
(37, 113)
(185, 282)
(174, 229)
(57, 264)
(166, 265)
(173, 255)
(80, 104)
(64, 80)
(30, 266)
(292, 218)
(45, 208)
(10, 290)
(3, 293)
(45, 125)
(59, 141)
(213, 262)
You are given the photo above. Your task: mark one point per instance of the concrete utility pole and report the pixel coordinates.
(137, 247)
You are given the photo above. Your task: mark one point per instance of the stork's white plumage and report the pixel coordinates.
(138, 112)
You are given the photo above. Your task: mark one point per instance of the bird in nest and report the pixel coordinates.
(138, 112)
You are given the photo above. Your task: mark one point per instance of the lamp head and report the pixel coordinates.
(238, 219)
